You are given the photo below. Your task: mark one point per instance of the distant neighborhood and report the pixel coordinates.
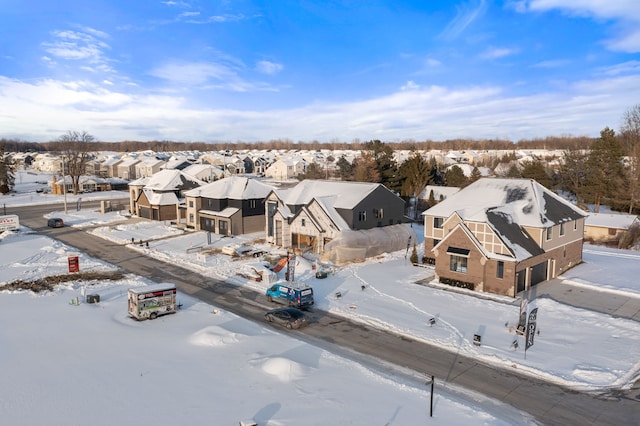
(495, 232)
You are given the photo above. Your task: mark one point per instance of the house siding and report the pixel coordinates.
(475, 262)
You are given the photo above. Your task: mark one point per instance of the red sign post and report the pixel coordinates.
(74, 264)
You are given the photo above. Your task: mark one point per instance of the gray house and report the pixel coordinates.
(315, 212)
(230, 206)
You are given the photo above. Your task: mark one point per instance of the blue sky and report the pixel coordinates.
(336, 70)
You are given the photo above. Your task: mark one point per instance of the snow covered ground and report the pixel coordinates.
(91, 363)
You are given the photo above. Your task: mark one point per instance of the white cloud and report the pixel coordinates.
(411, 85)
(268, 67)
(498, 52)
(42, 110)
(192, 73)
(465, 15)
(85, 46)
(624, 13)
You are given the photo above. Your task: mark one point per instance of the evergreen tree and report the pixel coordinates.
(414, 254)
(454, 176)
(345, 169)
(7, 178)
(386, 165)
(313, 171)
(475, 175)
(572, 173)
(514, 171)
(536, 170)
(605, 180)
(415, 173)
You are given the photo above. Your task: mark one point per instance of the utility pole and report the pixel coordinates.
(64, 187)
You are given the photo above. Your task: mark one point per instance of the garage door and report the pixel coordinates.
(539, 273)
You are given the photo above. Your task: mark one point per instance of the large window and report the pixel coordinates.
(500, 269)
(458, 264)
(379, 213)
(438, 222)
(362, 216)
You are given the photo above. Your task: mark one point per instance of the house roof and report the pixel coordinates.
(167, 180)
(521, 201)
(610, 220)
(160, 198)
(509, 205)
(234, 188)
(347, 194)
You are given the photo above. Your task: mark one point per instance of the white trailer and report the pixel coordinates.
(9, 222)
(151, 301)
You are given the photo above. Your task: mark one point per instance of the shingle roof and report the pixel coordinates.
(234, 188)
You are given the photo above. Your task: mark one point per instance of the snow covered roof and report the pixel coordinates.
(610, 220)
(234, 188)
(347, 194)
(521, 201)
(168, 180)
(160, 198)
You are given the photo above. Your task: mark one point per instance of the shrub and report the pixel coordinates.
(457, 283)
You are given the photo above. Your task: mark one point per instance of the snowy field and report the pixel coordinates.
(224, 369)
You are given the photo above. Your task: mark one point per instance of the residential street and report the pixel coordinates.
(549, 403)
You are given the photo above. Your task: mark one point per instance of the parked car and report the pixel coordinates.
(288, 317)
(55, 222)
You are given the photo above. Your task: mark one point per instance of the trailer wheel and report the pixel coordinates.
(153, 316)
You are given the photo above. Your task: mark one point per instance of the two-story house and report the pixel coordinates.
(158, 197)
(315, 212)
(503, 236)
(229, 206)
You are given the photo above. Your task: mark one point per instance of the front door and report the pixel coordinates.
(224, 227)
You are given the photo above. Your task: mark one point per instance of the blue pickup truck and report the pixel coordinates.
(299, 295)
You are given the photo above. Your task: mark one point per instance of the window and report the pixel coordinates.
(436, 242)
(611, 231)
(549, 233)
(500, 269)
(379, 213)
(304, 222)
(190, 217)
(437, 222)
(252, 204)
(458, 264)
(362, 216)
(575, 225)
(561, 229)
(190, 203)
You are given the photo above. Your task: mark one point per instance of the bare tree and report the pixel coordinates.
(75, 150)
(630, 137)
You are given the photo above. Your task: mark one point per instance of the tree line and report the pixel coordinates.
(594, 171)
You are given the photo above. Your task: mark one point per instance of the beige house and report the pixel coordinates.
(285, 169)
(158, 197)
(502, 236)
(608, 228)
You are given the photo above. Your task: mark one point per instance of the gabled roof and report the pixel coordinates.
(167, 180)
(347, 194)
(234, 188)
(610, 220)
(521, 201)
(160, 198)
